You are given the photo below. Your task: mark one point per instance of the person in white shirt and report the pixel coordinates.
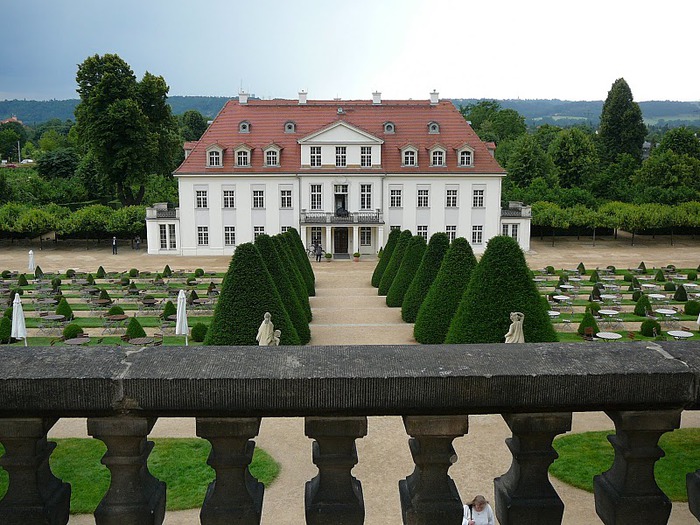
(478, 512)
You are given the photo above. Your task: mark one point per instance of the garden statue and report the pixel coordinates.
(515, 332)
(276, 338)
(266, 332)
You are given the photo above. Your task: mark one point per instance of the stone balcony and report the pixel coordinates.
(642, 386)
(342, 217)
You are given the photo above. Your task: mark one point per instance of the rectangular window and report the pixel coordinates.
(511, 230)
(395, 198)
(438, 158)
(451, 232)
(271, 158)
(478, 201)
(423, 198)
(315, 156)
(477, 234)
(315, 235)
(163, 237)
(285, 198)
(341, 156)
(258, 230)
(230, 235)
(409, 158)
(242, 158)
(316, 203)
(203, 235)
(172, 241)
(451, 198)
(214, 159)
(422, 231)
(465, 158)
(202, 200)
(365, 196)
(392, 228)
(258, 199)
(229, 199)
(285, 229)
(365, 236)
(366, 156)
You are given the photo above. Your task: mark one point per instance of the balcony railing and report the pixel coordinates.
(162, 213)
(345, 217)
(642, 386)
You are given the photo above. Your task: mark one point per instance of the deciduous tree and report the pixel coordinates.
(622, 128)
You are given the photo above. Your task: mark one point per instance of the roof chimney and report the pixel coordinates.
(434, 97)
(242, 97)
(302, 97)
(377, 97)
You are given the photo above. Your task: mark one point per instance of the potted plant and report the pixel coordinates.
(356, 256)
(328, 256)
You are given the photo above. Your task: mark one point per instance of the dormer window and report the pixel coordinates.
(409, 157)
(437, 157)
(244, 127)
(215, 156)
(389, 127)
(290, 127)
(272, 156)
(433, 128)
(242, 156)
(465, 156)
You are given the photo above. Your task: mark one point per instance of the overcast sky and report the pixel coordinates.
(566, 49)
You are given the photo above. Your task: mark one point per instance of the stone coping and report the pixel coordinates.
(348, 380)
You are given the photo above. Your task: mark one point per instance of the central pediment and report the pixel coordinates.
(340, 133)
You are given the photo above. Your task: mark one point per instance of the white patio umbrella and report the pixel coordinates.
(19, 328)
(181, 327)
(31, 266)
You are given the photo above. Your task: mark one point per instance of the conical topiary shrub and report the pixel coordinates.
(650, 328)
(90, 279)
(427, 271)
(246, 294)
(5, 330)
(134, 329)
(680, 295)
(659, 277)
(594, 276)
(22, 280)
(297, 246)
(500, 284)
(38, 273)
(104, 294)
(64, 309)
(440, 305)
(100, 273)
(407, 271)
(294, 274)
(72, 330)
(167, 272)
(386, 255)
(273, 262)
(581, 268)
(643, 306)
(168, 310)
(301, 260)
(394, 263)
(115, 310)
(642, 267)
(587, 321)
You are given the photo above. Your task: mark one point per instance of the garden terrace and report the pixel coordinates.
(643, 388)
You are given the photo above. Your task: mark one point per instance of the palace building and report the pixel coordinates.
(342, 172)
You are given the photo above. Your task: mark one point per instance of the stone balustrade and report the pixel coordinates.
(642, 386)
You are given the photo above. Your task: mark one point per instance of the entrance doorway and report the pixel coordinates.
(340, 240)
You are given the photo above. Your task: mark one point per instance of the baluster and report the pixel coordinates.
(524, 494)
(235, 496)
(692, 483)
(429, 495)
(34, 494)
(134, 496)
(334, 496)
(628, 493)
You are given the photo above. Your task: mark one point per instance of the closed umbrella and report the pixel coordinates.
(181, 327)
(19, 328)
(31, 266)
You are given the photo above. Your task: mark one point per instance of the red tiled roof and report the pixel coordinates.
(410, 118)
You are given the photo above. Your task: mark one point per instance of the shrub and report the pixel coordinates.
(55, 282)
(191, 297)
(659, 277)
(274, 265)
(294, 273)
(100, 274)
(692, 276)
(595, 294)
(150, 297)
(133, 272)
(484, 312)
(670, 286)
(299, 253)
(38, 272)
(134, 329)
(8, 313)
(650, 328)
(70, 273)
(64, 309)
(328, 256)
(199, 272)
(407, 271)
(90, 279)
(247, 292)
(395, 262)
(550, 270)
(636, 295)
(681, 295)
(380, 252)
(168, 310)
(71, 331)
(384, 259)
(643, 306)
(692, 308)
(588, 321)
(581, 268)
(427, 271)
(124, 281)
(5, 330)
(442, 300)
(593, 308)
(22, 280)
(6, 274)
(115, 310)
(199, 332)
(167, 272)
(594, 276)
(611, 268)
(642, 267)
(627, 277)
(104, 294)
(191, 281)
(132, 286)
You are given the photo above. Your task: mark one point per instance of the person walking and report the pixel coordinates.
(114, 246)
(318, 251)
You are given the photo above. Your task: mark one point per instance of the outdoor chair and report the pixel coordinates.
(588, 334)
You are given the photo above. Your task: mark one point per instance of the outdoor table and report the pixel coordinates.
(575, 279)
(52, 322)
(102, 302)
(77, 341)
(608, 316)
(571, 270)
(607, 278)
(668, 314)
(644, 277)
(657, 296)
(47, 301)
(689, 286)
(566, 286)
(172, 317)
(114, 323)
(54, 317)
(82, 282)
(148, 302)
(553, 313)
(92, 290)
(608, 336)
(141, 341)
(608, 297)
(561, 298)
(649, 286)
(679, 334)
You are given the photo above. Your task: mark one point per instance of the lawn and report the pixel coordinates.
(180, 463)
(584, 455)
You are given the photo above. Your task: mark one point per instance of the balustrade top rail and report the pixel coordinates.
(360, 217)
(348, 380)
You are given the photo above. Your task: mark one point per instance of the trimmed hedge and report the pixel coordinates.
(199, 272)
(199, 332)
(594, 308)
(693, 276)
(301, 261)
(167, 272)
(642, 267)
(394, 263)
(134, 329)
(440, 305)
(500, 284)
(660, 276)
(427, 271)
(587, 321)
(133, 273)
(650, 328)
(5, 330)
(247, 292)
(273, 262)
(72, 330)
(594, 276)
(692, 308)
(104, 294)
(670, 286)
(681, 295)
(116, 310)
(386, 256)
(168, 309)
(643, 306)
(581, 268)
(100, 274)
(294, 273)
(38, 272)
(22, 280)
(64, 309)
(407, 271)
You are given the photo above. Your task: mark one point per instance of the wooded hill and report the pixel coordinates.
(536, 112)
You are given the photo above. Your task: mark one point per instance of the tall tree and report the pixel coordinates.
(528, 161)
(192, 124)
(126, 125)
(622, 128)
(681, 141)
(574, 157)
